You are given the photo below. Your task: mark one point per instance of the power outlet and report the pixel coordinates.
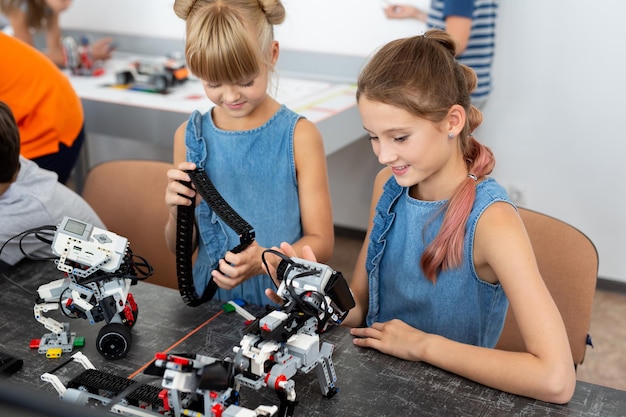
(518, 194)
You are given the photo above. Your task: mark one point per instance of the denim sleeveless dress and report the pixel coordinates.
(254, 170)
(459, 306)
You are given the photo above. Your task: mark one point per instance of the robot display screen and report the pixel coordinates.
(75, 227)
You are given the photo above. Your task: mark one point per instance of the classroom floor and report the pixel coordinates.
(605, 363)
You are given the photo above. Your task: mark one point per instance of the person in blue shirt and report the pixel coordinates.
(266, 161)
(472, 25)
(446, 251)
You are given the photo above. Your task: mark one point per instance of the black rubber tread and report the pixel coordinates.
(96, 381)
(184, 236)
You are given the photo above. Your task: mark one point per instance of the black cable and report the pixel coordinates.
(24, 234)
(21, 236)
(36, 233)
(126, 270)
(283, 257)
(27, 291)
(283, 271)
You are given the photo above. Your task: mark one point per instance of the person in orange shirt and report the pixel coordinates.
(48, 111)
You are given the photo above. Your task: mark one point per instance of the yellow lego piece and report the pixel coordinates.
(54, 353)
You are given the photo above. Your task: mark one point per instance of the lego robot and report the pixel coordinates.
(99, 271)
(274, 348)
(286, 341)
(191, 386)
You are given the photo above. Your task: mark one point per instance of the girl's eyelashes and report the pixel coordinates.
(240, 84)
(397, 139)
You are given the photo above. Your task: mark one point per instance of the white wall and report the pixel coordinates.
(553, 121)
(351, 27)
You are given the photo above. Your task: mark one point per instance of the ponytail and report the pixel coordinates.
(446, 250)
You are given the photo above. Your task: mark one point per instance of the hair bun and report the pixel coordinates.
(182, 8)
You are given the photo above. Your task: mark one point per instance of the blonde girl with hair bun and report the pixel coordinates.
(266, 161)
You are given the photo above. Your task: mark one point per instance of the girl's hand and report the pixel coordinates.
(288, 250)
(395, 338)
(403, 11)
(176, 193)
(236, 268)
(102, 49)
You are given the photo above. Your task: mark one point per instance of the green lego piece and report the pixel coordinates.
(79, 341)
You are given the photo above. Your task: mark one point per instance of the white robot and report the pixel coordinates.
(197, 387)
(286, 341)
(99, 271)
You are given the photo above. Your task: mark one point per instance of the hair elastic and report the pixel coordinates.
(472, 176)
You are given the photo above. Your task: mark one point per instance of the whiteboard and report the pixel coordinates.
(345, 27)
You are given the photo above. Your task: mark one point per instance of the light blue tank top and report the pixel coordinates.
(254, 170)
(459, 306)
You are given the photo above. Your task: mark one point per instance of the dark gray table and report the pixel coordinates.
(370, 383)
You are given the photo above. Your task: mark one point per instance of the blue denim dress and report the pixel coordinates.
(254, 170)
(459, 306)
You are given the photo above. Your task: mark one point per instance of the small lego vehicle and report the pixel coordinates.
(154, 75)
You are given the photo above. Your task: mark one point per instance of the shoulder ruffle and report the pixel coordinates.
(383, 219)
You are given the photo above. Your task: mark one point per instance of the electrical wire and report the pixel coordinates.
(134, 267)
(40, 233)
(283, 272)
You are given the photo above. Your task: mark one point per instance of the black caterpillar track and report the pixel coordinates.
(110, 385)
(184, 236)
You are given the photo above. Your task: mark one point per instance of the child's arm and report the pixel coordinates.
(22, 31)
(459, 27)
(174, 188)
(313, 192)
(19, 24)
(54, 47)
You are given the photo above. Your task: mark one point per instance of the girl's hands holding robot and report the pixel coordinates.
(289, 251)
(235, 268)
(394, 337)
(177, 193)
